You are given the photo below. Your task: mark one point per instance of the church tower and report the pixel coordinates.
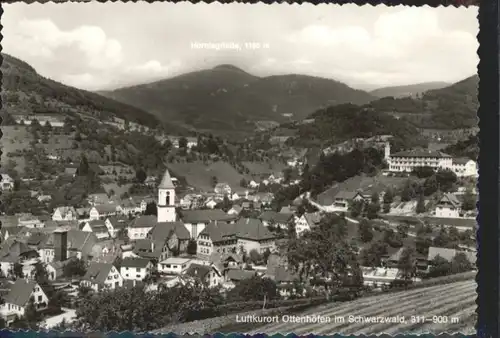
(166, 199)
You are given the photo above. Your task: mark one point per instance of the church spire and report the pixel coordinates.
(166, 182)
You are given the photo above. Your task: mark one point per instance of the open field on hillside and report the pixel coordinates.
(14, 139)
(199, 175)
(448, 307)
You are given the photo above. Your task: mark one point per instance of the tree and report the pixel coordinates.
(183, 143)
(214, 181)
(431, 185)
(18, 270)
(388, 196)
(406, 264)
(375, 198)
(420, 209)
(423, 172)
(324, 251)
(460, 263)
(41, 275)
(151, 209)
(372, 210)
(372, 255)
(243, 183)
(439, 267)
(442, 240)
(74, 267)
(356, 208)
(191, 247)
(407, 192)
(365, 231)
(287, 175)
(83, 168)
(386, 208)
(422, 244)
(140, 175)
(254, 288)
(255, 256)
(469, 201)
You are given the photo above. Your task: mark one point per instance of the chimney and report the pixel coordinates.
(152, 246)
(60, 245)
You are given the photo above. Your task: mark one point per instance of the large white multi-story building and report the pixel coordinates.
(407, 161)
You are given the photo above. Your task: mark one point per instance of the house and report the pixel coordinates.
(263, 197)
(235, 210)
(71, 172)
(211, 203)
(55, 269)
(284, 280)
(30, 221)
(98, 227)
(234, 276)
(140, 226)
(252, 184)
(306, 222)
(44, 198)
(101, 211)
(464, 167)
(14, 251)
(207, 274)
(6, 182)
(338, 201)
(236, 195)
(276, 219)
(150, 181)
(171, 237)
(222, 189)
(101, 276)
(99, 198)
(225, 261)
(378, 277)
(129, 206)
(78, 244)
(448, 207)
(8, 232)
(287, 210)
(18, 298)
(135, 268)
(409, 160)
(246, 235)
(449, 254)
(196, 220)
(64, 214)
(115, 224)
(83, 213)
(174, 265)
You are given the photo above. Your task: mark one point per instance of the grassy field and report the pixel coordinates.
(15, 138)
(455, 302)
(199, 175)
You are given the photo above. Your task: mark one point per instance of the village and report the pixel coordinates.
(173, 235)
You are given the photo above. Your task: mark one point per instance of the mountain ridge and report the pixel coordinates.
(227, 97)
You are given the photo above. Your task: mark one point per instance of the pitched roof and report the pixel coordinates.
(98, 272)
(20, 292)
(273, 216)
(346, 195)
(147, 221)
(105, 208)
(461, 160)
(313, 218)
(420, 153)
(205, 216)
(198, 270)
(161, 231)
(132, 262)
(448, 254)
(451, 199)
(166, 182)
(238, 274)
(118, 222)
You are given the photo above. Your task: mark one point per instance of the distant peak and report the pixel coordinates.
(229, 67)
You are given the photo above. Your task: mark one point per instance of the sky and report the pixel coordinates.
(97, 46)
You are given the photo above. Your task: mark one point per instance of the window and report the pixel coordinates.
(138, 270)
(126, 268)
(137, 276)
(126, 275)
(39, 298)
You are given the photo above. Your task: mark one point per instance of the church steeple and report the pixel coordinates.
(166, 199)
